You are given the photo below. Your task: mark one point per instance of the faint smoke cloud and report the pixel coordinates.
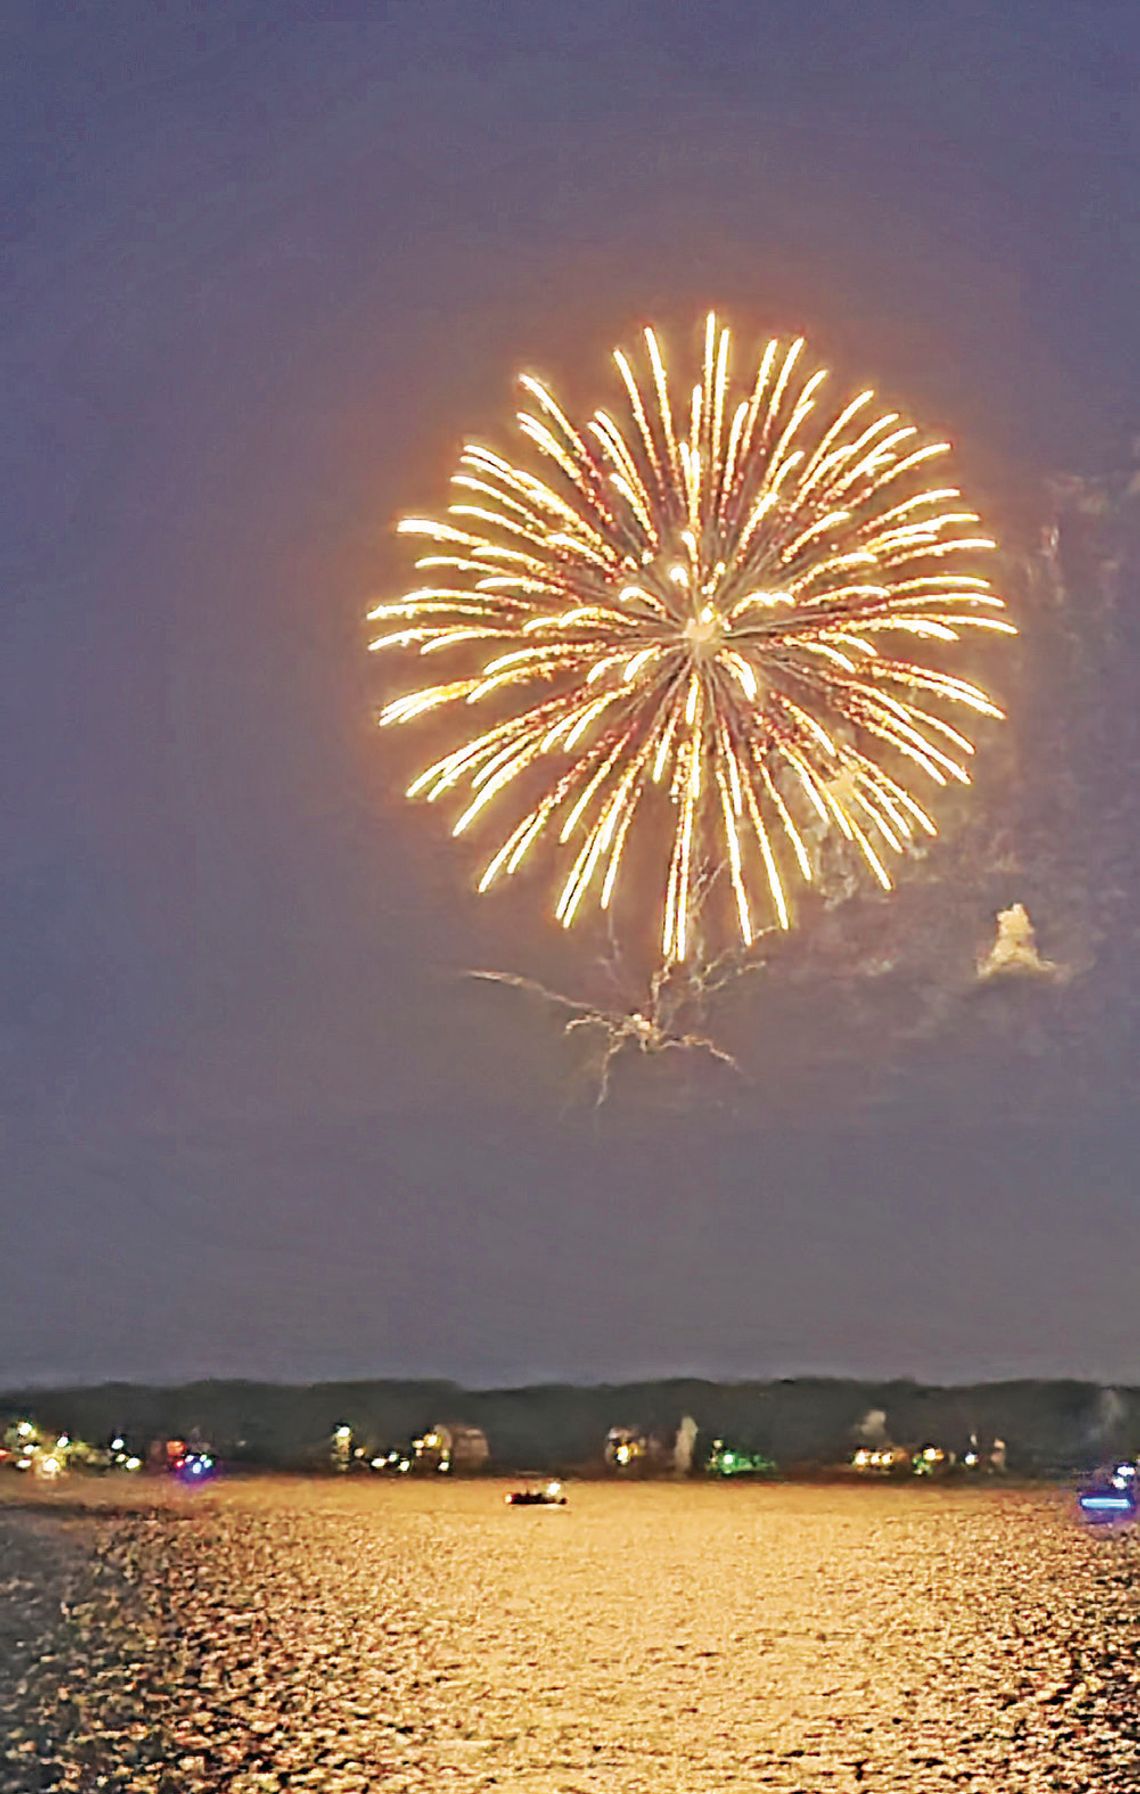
(684, 1446)
(1109, 1414)
(872, 1429)
(1015, 952)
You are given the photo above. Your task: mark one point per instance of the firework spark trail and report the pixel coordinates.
(648, 1031)
(704, 619)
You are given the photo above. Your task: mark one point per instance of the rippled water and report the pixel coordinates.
(341, 1637)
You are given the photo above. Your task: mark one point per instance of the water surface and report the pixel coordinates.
(338, 1637)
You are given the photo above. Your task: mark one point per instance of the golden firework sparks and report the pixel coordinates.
(709, 614)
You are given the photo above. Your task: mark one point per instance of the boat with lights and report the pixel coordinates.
(1112, 1497)
(548, 1495)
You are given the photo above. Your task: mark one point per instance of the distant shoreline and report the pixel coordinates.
(806, 1428)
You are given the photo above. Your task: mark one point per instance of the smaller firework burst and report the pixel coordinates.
(655, 1029)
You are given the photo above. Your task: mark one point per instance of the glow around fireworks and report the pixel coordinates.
(722, 618)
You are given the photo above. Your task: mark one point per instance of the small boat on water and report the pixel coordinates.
(549, 1495)
(1114, 1497)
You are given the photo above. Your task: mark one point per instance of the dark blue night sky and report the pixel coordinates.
(262, 276)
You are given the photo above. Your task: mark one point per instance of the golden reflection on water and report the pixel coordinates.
(344, 1636)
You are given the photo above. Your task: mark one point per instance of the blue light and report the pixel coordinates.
(1117, 1504)
(196, 1466)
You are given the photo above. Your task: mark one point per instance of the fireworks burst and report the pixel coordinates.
(706, 614)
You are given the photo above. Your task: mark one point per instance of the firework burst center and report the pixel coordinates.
(705, 633)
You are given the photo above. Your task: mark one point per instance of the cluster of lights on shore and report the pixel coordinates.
(432, 1447)
(49, 1455)
(927, 1460)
